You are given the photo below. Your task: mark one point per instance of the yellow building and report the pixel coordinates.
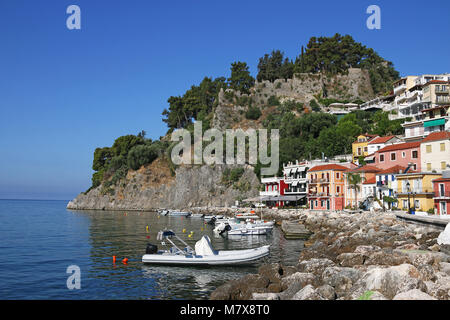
(361, 146)
(415, 191)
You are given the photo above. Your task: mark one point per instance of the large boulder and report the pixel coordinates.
(444, 236)
(302, 278)
(340, 278)
(389, 281)
(315, 266)
(413, 294)
(307, 293)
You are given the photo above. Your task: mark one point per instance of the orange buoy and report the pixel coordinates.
(124, 261)
(114, 259)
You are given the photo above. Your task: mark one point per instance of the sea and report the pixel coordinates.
(51, 253)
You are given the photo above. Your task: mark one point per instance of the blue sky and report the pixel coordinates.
(65, 92)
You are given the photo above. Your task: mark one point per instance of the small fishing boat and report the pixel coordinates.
(203, 254)
(211, 219)
(163, 212)
(197, 215)
(243, 229)
(174, 213)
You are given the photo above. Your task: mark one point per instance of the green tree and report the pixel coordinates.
(240, 79)
(354, 180)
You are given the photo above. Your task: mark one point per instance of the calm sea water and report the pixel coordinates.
(40, 239)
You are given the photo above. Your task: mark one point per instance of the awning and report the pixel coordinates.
(287, 171)
(295, 183)
(432, 123)
(283, 198)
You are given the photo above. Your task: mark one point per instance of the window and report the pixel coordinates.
(365, 149)
(338, 189)
(428, 166)
(359, 151)
(338, 175)
(393, 156)
(405, 204)
(415, 154)
(443, 165)
(443, 146)
(417, 204)
(414, 167)
(428, 148)
(381, 157)
(403, 155)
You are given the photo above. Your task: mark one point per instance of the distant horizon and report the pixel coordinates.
(66, 92)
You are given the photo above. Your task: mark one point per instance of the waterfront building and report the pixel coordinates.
(402, 154)
(435, 152)
(379, 143)
(441, 187)
(367, 174)
(386, 181)
(415, 191)
(326, 185)
(360, 148)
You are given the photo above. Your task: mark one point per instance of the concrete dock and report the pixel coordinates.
(295, 230)
(434, 221)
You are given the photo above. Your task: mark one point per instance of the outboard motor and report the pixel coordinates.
(151, 249)
(212, 221)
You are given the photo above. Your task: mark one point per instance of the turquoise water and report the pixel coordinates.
(40, 239)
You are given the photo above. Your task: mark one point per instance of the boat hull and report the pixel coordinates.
(222, 258)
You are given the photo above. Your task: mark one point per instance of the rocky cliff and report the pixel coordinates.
(153, 186)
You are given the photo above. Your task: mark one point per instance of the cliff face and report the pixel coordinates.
(303, 88)
(153, 187)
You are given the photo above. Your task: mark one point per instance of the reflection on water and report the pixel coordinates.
(124, 234)
(53, 238)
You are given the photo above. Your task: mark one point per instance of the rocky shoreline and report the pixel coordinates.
(360, 256)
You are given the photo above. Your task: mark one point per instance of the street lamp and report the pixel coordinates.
(409, 191)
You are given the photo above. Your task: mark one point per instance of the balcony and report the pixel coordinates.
(268, 193)
(442, 195)
(270, 180)
(441, 91)
(417, 191)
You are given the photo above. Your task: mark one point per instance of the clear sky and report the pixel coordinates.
(65, 92)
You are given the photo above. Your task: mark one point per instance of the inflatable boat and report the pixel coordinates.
(204, 253)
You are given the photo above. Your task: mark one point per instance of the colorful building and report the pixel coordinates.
(360, 148)
(326, 185)
(380, 142)
(367, 174)
(402, 154)
(386, 181)
(441, 198)
(415, 191)
(435, 152)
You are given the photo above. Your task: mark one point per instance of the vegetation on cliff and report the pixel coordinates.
(303, 134)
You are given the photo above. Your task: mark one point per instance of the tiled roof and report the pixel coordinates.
(367, 168)
(394, 169)
(436, 82)
(370, 181)
(381, 140)
(401, 146)
(436, 136)
(328, 167)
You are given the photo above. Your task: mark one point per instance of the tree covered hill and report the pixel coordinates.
(305, 131)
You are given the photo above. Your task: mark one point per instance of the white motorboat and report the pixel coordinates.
(212, 219)
(175, 213)
(243, 229)
(197, 215)
(204, 254)
(246, 216)
(163, 212)
(234, 222)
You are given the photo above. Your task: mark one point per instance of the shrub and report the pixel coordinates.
(253, 113)
(140, 155)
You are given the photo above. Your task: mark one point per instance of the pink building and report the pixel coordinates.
(442, 194)
(399, 155)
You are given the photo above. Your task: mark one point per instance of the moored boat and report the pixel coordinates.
(204, 253)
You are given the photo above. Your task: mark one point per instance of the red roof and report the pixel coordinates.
(328, 167)
(394, 169)
(401, 146)
(436, 82)
(381, 140)
(436, 136)
(367, 168)
(370, 181)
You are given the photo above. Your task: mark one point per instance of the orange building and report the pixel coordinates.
(326, 187)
